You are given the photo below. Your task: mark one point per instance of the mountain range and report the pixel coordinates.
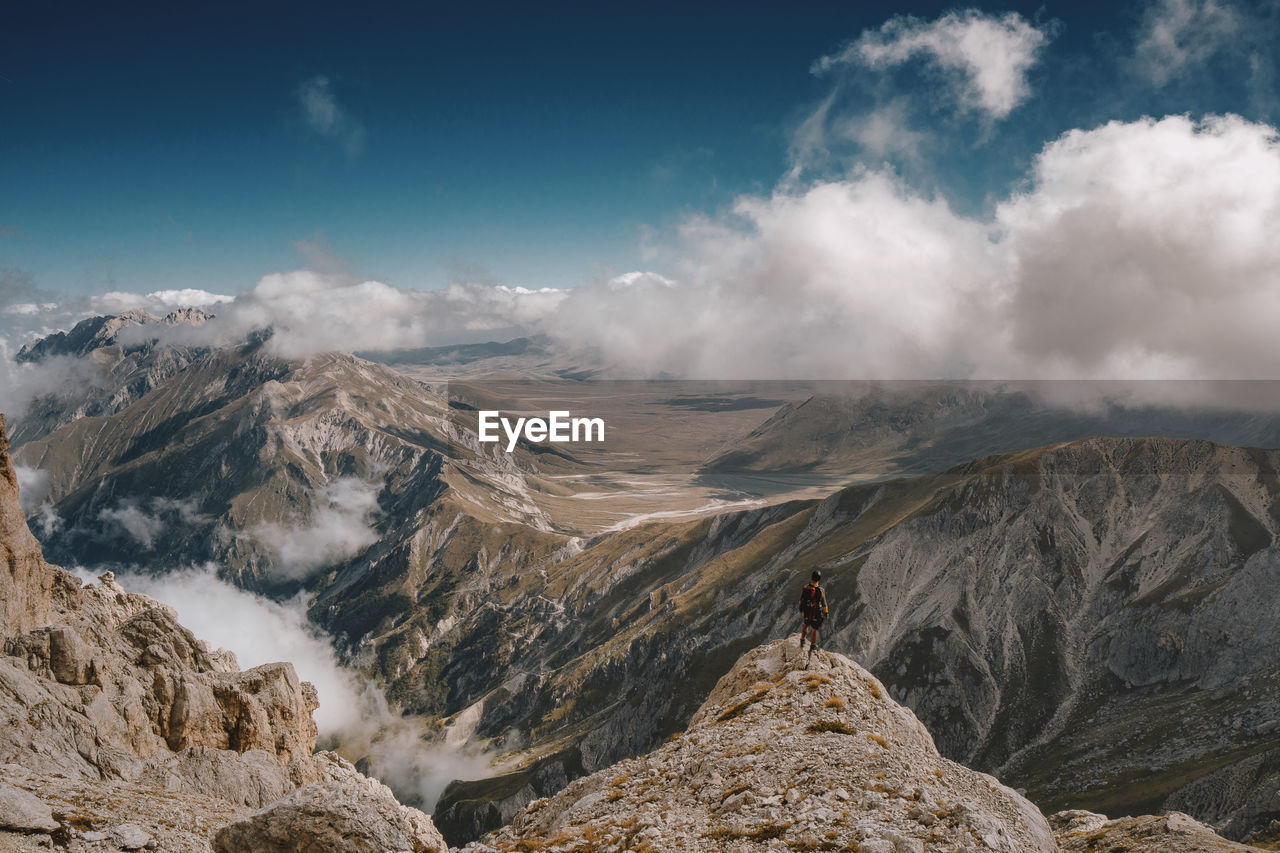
(1075, 595)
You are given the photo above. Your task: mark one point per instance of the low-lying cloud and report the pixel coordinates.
(340, 525)
(143, 522)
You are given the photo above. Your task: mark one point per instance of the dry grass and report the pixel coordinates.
(880, 739)
(834, 702)
(735, 710)
(805, 845)
(830, 726)
(768, 832)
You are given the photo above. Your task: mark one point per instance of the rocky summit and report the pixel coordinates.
(789, 753)
(120, 730)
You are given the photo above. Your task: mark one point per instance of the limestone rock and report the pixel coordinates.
(120, 730)
(23, 812)
(351, 813)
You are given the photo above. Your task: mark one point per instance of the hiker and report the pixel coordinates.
(813, 607)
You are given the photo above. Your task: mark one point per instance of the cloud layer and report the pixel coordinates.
(341, 525)
(1134, 250)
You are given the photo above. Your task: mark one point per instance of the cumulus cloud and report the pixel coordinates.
(1137, 250)
(1146, 248)
(21, 384)
(142, 526)
(1177, 36)
(884, 133)
(340, 526)
(1132, 250)
(326, 117)
(987, 56)
(353, 716)
(33, 491)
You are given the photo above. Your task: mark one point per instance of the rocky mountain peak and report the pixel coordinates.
(818, 758)
(789, 753)
(97, 332)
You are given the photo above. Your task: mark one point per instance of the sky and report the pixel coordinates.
(529, 144)
(875, 180)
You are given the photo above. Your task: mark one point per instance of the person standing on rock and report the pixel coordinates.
(813, 608)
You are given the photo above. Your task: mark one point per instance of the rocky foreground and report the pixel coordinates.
(784, 757)
(120, 730)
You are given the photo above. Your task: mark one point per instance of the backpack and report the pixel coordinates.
(811, 603)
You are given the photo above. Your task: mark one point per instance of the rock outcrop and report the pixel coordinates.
(347, 812)
(789, 753)
(1086, 832)
(26, 587)
(818, 758)
(120, 730)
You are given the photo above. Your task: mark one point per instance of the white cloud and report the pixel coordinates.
(310, 311)
(30, 309)
(33, 486)
(326, 117)
(1138, 250)
(340, 526)
(1177, 36)
(884, 133)
(158, 302)
(143, 525)
(988, 56)
(1147, 249)
(639, 278)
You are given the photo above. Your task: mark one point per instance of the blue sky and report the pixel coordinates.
(518, 143)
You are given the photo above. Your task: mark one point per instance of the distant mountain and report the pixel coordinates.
(113, 375)
(459, 354)
(898, 428)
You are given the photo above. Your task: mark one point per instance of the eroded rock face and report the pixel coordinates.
(120, 730)
(818, 758)
(118, 689)
(26, 587)
(347, 812)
